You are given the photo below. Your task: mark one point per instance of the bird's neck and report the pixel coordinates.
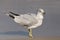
(39, 15)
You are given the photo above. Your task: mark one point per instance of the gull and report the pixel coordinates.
(29, 21)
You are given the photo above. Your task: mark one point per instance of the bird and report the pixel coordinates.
(29, 21)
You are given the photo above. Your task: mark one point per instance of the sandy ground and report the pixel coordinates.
(26, 38)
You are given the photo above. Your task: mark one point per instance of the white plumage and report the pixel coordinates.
(29, 20)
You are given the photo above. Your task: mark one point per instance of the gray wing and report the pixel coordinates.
(25, 19)
(32, 14)
(30, 18)
(21, 20)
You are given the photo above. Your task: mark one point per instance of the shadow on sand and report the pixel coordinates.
(23, 33)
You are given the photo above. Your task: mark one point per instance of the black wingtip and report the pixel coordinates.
(14, 13)
(12, 16)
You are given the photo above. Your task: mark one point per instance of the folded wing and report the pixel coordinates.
(26, 19)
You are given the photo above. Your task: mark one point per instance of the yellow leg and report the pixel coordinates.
(30, 33)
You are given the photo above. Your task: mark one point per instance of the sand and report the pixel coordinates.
(26, 38)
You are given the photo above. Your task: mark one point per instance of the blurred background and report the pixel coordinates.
(51, 24)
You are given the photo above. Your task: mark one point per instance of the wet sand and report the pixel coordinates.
(35, 38)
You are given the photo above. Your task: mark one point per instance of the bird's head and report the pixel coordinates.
(41, 11)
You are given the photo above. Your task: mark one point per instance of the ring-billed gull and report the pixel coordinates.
(29, 21)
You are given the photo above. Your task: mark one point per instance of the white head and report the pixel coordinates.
(41, 11)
